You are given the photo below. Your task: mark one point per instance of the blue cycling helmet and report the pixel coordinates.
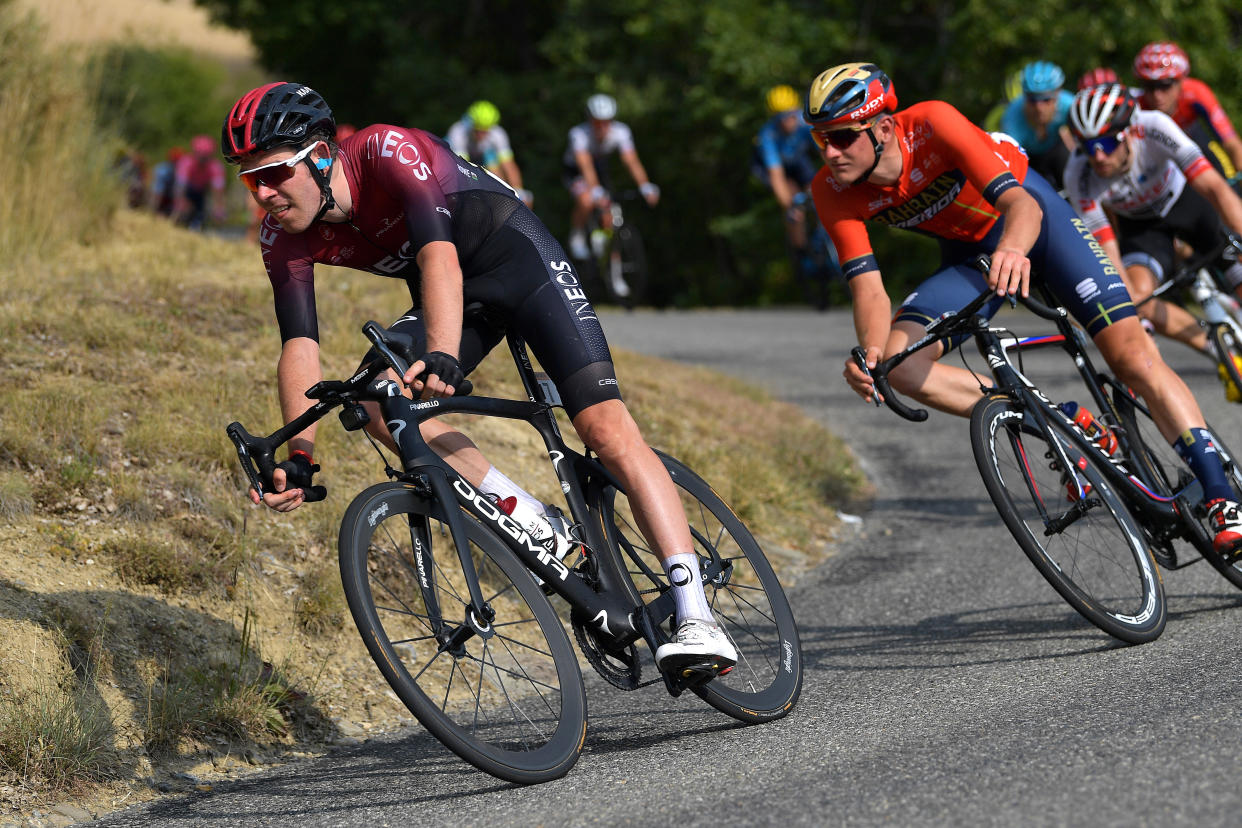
(1041, 77)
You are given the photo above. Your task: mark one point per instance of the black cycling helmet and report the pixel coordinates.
(274, 115)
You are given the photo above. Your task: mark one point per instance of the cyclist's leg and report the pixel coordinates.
(944, 387)
(1065, 252)
(543, 301)
(458, 450)
(1143, 274)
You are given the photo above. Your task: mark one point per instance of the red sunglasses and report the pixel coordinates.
(841, 139)
(275, 173)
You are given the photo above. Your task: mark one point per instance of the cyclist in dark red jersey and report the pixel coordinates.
(1163, 70)
(929, 169)
(398, 202)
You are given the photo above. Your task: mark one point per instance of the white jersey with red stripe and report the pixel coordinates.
(1163, 159)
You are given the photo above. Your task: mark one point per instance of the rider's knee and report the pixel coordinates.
(608, 430)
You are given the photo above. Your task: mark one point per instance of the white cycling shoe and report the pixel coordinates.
(697, 646)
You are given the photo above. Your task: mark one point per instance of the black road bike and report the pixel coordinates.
(1093, 523)
(439, 582)
(618, 261)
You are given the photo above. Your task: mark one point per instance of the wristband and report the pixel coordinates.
(647, 188)
(305, 454)
(597, 192)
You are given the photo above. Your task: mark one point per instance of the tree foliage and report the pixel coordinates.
(690, 79)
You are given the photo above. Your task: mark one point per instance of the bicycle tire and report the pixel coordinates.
(1163, 464)
(1230, 352)
(512, 704)
(1098, 562)
(748, 601)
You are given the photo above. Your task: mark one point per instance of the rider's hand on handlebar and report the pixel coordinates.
(281, 498)
(437, 374)
(1010, 272)
(650, 192)
(862, 384)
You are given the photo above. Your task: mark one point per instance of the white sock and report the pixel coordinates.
(683, 573)
(496, 483)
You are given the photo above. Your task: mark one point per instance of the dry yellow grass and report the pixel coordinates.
(151, 22)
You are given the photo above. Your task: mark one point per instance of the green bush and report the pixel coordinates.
(159, 98)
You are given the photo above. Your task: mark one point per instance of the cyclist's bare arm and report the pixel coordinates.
(1213, 186)
(442, 312)
(873, 311)
(1234, 148)
(297, 370)
(639, 174)
(1011, 269)
(587, 166)
(781, 187)
(511, 174)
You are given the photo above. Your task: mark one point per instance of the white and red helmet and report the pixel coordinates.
(1101, 110)
(1161, 60)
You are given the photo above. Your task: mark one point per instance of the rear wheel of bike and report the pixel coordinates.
(745, 596)
(1230, 351)
(1070, 523)
(625, 275)
(508, 696)
(1168, 473)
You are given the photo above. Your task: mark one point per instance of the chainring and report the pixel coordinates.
(620, 669)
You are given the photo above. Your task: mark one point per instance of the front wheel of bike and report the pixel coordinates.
(745, 595)
(1068, 521)
(1229, 351)
(504, 695)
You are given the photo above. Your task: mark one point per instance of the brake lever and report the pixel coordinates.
(860, 359)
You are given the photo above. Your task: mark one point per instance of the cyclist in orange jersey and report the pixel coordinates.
(929, 169)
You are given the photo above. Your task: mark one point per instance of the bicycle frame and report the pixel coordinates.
(1137, 492)
(994, 345)
(612, 605)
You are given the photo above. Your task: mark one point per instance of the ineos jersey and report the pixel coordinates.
(1163, 159)
(408, 189)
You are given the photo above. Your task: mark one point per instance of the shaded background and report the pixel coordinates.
(690, 80)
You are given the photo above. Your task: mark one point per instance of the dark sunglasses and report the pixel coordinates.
(1153, 85)
(1106, 143)
(841, 139)
(275, 173)
(1040, 98)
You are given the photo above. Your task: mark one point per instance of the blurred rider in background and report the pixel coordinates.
(479, 138)
(1163, 70)
(1037, 119)
(786, 159)
(199, 176)
(585, 167)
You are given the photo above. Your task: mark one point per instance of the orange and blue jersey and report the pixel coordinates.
(952, 172)
(952, 175)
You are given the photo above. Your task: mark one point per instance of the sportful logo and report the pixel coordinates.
(510, 527)
(1087, 289)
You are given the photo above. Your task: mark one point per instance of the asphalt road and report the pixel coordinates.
(946, 683)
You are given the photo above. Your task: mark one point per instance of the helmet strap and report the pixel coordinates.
(324, 188)
(875, 145)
